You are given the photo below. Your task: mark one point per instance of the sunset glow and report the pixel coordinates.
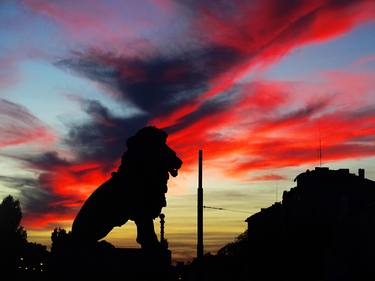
(260, 86)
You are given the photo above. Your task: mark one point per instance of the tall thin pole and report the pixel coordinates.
(200, 207)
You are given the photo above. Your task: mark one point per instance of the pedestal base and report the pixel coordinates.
(129, 263)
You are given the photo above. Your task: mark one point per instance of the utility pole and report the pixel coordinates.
(200, 207)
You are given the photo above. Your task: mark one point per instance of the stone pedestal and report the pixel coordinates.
(109, 262)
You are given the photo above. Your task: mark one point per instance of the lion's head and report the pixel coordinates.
(148, 147)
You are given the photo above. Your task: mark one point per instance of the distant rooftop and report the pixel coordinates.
(326, 170)
(323, 183)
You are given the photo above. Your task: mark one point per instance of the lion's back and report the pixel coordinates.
(99, 210)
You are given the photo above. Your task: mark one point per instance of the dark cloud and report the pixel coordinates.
(104, 137)
(307, 111)
(35, 199)
(210, 107)
(365, 139)
(19, 183)
(363, 113)
(46, 160)
(228, 36)
(156, 84)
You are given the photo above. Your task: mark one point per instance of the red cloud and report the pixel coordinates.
(265, 31)
(272, 27)
(67, 184)
(45, 220)
(284, 124)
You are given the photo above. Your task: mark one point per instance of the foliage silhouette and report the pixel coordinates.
(60, 240)
(10, 219)
(18, 258)
(13, 237)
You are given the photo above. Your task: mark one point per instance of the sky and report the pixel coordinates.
(259, 85)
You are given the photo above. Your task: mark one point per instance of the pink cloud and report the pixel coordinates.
(268, 177)
(84, 22)
(19, 126)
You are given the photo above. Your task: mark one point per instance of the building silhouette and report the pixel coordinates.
(322, 230)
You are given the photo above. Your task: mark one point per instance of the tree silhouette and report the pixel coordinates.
(13, 237)
(10, 219)
(60, 240)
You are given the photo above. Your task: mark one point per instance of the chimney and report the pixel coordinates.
(200, 208)
(361, 173)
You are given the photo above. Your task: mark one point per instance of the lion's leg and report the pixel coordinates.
(146, 235)
(89, 232)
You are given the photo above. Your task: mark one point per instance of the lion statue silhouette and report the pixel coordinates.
(135, 192)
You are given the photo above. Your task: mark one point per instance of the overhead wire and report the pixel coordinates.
(225, 209)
